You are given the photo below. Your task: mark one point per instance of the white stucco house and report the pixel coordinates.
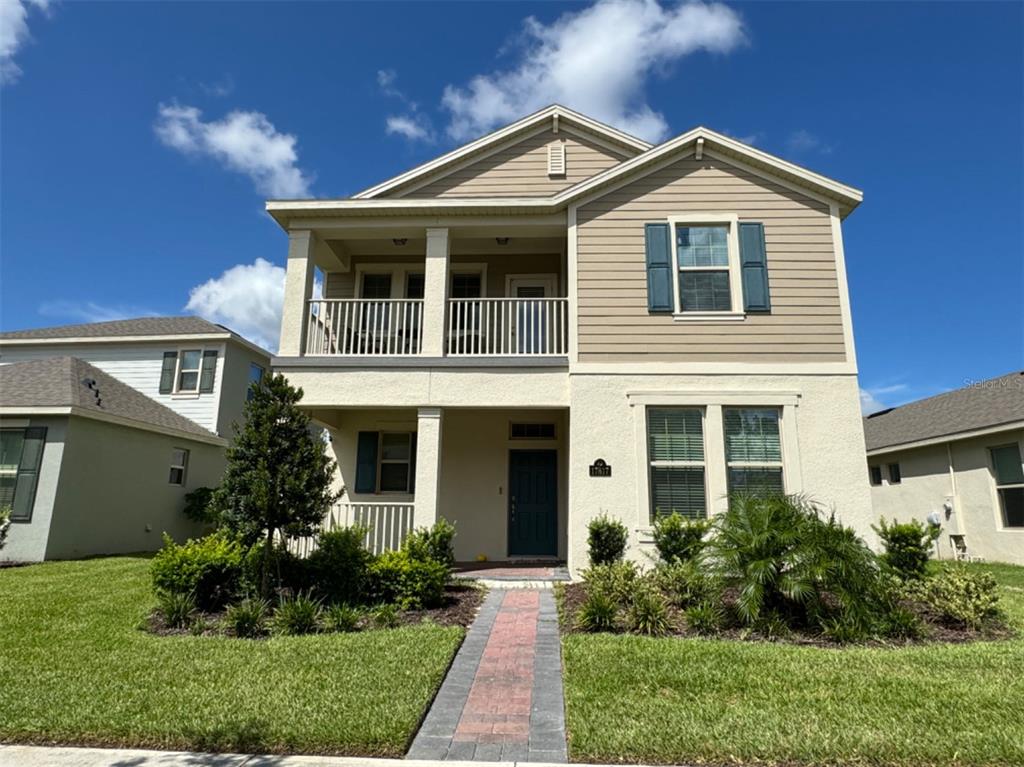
(560, 320)
(955, 458)
(105, 427)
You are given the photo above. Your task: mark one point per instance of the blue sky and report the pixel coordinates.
(139, 141)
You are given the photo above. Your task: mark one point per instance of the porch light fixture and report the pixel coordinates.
(400, 240)
(501, 240)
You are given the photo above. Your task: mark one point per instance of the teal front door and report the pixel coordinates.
(532, 503)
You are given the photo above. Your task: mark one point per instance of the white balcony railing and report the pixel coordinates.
(386, 525)
(364, 326)
(533, 327)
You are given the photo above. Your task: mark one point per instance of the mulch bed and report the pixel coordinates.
(459, 608)
(573, 595)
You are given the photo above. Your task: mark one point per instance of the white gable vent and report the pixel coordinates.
(556, 159)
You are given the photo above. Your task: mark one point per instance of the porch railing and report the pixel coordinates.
(386, 525)
(508, 327)
(360, 326)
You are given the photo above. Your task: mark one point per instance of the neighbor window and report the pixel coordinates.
(894, 474)
(189, 363)
(532, 431)
(21, 454)
(188, 371)
(179, 466)
(875, 473)
(395, 469)
(753, 450)
(702, 253)
(255, 377)
(675, 452)
(1009, 474)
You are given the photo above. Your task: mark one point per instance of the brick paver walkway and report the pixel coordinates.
(502, 698)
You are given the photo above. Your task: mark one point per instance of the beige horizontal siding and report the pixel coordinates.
(521, 169)
(805, 323)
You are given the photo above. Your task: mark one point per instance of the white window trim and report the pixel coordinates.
(178, 370)
(183, 466)
(677, 464)
(997, 504)
(480, 269)
(381, 461)
(549, 281)
(399, 276)
(731, 220)
(780, 464)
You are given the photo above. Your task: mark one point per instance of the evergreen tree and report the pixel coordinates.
(278, 476)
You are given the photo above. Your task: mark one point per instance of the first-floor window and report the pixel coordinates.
(1009, 474)
(395, 462)
(21, 455)
(179, 465)
(753, 450)
(895, 477)
(875, 473)
(11, 442)
(675, 452)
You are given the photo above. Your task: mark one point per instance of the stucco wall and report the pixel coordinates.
(235, 385)
(26, 541)
(926, 485)
(827, 437)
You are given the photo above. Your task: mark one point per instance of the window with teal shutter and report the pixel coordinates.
(209, 371)
(753, 450)
(21, 456)
(170, 364)
(658, 250)
(366, 462)
(703, 253)
(754, 265)
(675, 451)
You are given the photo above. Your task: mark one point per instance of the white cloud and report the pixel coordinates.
(411, 127)
(875, 398)
(596, 61)
(14, 33)
(804, 142)
(869, 403)
(246, 142)
(90, 311)
(219, 88)
(246, 298)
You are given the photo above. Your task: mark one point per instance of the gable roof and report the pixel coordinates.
(58, 383)
(982, 405)
(547, 115)
(141, 327)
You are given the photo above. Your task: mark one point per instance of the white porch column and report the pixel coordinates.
(298, 287)
(428, 466)
(435, 292)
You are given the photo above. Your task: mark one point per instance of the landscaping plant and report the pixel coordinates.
(705, 618)
(199, 506)
(339, 568)
(678, 539)
(616, 580)
(606, 540)
(341, 618)
(397, 578)
(248, 618)
(298, 615)
(648, 614)
(288, 571)
(278, 477)
(686, 583)
(433, 543)
(959, 596)
(597, 613)
(177, 607)
(908, 546)
(5, 524)
(385, 616)
(209, 569)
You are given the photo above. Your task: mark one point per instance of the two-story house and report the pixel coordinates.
(559, 320)
(105, 427)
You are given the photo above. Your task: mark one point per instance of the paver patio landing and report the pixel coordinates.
(502, 699)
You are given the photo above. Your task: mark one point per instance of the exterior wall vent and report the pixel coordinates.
(556, 159)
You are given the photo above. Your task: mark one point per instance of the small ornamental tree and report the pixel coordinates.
(278, 476)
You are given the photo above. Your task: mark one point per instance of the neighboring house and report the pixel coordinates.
(560, 320)
(103, 467)
(957, 456)
(91, 466)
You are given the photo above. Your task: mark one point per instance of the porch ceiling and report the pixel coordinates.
(415, 246)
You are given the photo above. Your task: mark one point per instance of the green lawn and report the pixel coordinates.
(74, 668)
(635, 699)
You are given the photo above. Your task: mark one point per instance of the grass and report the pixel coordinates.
(75, 669)
(634, 699)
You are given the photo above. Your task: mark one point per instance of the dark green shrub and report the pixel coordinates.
(342, 618)
(648, 614)
(339, 567)
(296, 616)
(908, 546)
(396, 577)
(209, 568)
(177, 607)
(597, 613)
(5, 524)
(785, 559)
(678, 539)
(958, 596)
(433, 543)
(606, 540)
(685, 583)
(901, 623)
(616, 581)
(385, 616)
(247, 618)
(705, 618)
(287, 571)
(198, 506)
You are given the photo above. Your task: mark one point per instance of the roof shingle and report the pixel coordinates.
(141, 326)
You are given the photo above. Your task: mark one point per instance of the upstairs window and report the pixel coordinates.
(1009, 476)
(255, 378)
(703, 260)
(875, 474)
(189, 371)
(753, 450)
(895, 477)
(675, 452)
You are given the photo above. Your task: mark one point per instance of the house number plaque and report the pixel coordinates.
(600, 469)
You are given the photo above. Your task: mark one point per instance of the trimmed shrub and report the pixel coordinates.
(606, 540)
(396, 577)
(616, 581)
(432, 543)
(288, 570)
(177, 607)
(342, 618)
(678, 539)
(648, 614)
(597, 613)
(209, 568)
(247, 618)
(296, 616)
(384, 616)
(339, 567)
(908, 546)
(958, 596)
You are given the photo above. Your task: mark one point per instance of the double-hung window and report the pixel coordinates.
(707, 266)
(21, 454)
(753, 450)
(675, 453)
(1009, 475)
(179, 466)
(255, 379)
(395, 462)
(189, 362)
